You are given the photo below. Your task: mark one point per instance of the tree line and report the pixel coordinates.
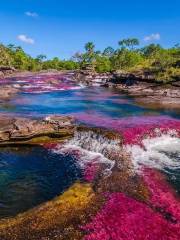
(164, 63)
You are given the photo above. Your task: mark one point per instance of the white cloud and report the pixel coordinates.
(24, 38)
(31, 14)
(152, 37)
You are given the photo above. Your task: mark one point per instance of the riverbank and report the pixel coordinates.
(141, 85)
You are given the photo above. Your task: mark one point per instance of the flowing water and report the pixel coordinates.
(34, 175)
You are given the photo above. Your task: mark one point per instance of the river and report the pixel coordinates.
(32, 175)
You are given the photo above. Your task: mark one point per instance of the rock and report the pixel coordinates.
(88, 77)
(1, 74)
(55, 119)
(139, 75)
(20, 130)
(7, 92)
(6, 70)
(161, 102)
(109, 134)
(142, 84)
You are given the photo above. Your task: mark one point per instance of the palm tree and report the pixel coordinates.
(89, 47)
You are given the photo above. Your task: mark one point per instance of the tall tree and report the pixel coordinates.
(89, 55)
(89, 47)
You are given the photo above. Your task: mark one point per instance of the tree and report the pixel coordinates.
(177, 46)
(89, 55)
(151, 49)
(77, 57)
(103, 64)
(89, 47)
(40, 58)
(125, 59)
(108, 52)
(129, 43)
(164, 63)
(5, 56)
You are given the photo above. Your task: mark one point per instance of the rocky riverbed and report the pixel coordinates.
(141, 85)
(137, 84)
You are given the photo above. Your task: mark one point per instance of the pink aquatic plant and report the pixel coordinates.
(133, 129)
(91, 171)
(162, 197)
(42, 83)
(123, 218)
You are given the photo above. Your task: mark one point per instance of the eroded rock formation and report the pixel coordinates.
(20, 130)
(6, 70)
(89, 76)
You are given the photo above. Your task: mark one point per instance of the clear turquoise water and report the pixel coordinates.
(91, 100)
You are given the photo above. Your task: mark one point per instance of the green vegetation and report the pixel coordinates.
(13, 56)
(163, 63)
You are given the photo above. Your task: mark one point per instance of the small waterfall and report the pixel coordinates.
(90, 147)
(95, 147)
(95, 142)
(162, 152)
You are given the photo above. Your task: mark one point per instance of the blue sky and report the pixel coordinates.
(62, 27)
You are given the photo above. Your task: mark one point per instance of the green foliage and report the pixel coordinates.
(16, 57)
(125, 59)
(89, 55)
(103, 64)
(108, 52)
(5, 56)
(151, 50)
(129, 43)
(168, 75)
(89, 47)
(163, 63)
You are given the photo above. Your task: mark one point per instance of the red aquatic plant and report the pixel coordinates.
(124, 218)
(91, 171)
(163, 197)
(134, 129)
